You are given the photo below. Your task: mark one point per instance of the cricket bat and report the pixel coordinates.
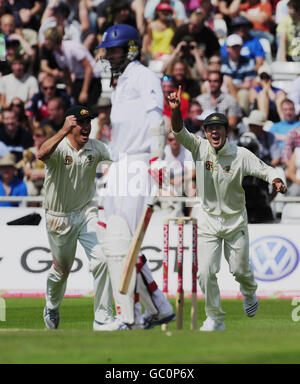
(136, 242)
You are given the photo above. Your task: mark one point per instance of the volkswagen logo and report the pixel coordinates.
(273, 258)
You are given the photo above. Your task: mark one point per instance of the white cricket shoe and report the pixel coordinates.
(250, 305)
(210, 325)
(51, 318)
(115, 325)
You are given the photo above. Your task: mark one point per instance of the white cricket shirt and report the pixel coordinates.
(70, 175)
(219, 175)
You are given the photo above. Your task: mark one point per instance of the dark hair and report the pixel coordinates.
(220, 74)
(294, 4)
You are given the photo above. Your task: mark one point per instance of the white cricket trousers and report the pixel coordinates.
(64, 230)
(230, 234)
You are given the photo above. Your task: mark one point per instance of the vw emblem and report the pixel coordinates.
(273, 258)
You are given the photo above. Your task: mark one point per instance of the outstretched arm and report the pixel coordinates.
(174, 102)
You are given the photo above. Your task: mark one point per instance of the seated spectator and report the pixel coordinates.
(34, 169)
(259, 13)
(208, 9)
(192, 122)
(257, 193)
(251, 47)
(204, 37)
(179, 13)
(168, 86)
(160, 31)
(180, 72)
(217, 101)
(56, 113)
(80, 72)
(294, 94)
(18, 106)
(240, 70)
(289, 121)
(27, 13)
(19, 83)
(10, 184)
(292, 173)
(292, 141)
(13, 136)
(214, 64)
(265, 96)
(22, 41)
(269, 150)
(37, 107)
(101, 125)
(288, 32)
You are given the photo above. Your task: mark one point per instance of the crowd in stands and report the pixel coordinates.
(221, 52)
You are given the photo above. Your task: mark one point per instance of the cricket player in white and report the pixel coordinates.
(220, 169)
(71, 160)
(138, 135)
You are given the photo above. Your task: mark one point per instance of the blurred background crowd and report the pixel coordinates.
(237, 57)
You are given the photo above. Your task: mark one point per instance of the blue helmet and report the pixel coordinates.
(120, 35)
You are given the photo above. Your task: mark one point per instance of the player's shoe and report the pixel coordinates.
(210, 325)
(51, 318)
(151, 321)
(250, 305)
(115, 325)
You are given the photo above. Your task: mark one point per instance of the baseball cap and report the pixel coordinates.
(80, 112)
(240, 21)
(256, 117)
(164, 7)
(216, 118)
(233, 40)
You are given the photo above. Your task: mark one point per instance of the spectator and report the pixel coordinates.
(251, 47)
(198, 32)
(229, 8)
(292, 141)
(160, 31)
(179, 11)
(240, 70)
(34, 169)
(257, 193)
(289, 121)
(207, 8)
(80, 72)
(269, 151)
(101, 125)
(10, 184)
(18, 40)
(265, 96)
(181, 74)
(18, 106)
(27, 13)
(168, 86)
(294, 94)
(288, 32)
(56, 113)
(192, 122)
(19, 82)
(292, 173)
(259, 13)
(13, 136)
(37, 107)
(217, 101)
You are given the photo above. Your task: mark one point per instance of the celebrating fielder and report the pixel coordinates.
(71, 160)
(138, 137)
(220, 169)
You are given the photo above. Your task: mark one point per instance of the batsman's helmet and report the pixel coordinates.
(120, 35)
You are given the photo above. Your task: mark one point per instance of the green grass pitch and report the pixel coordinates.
(270, 337)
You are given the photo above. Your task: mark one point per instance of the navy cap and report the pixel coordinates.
(216, 118)
(80, 112)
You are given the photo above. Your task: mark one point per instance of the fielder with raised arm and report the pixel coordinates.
(71, 160)
(138, 136)
(220, 169)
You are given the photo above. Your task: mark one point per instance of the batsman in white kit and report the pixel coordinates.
(222, 220)
(71, 160)
(138, 141)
